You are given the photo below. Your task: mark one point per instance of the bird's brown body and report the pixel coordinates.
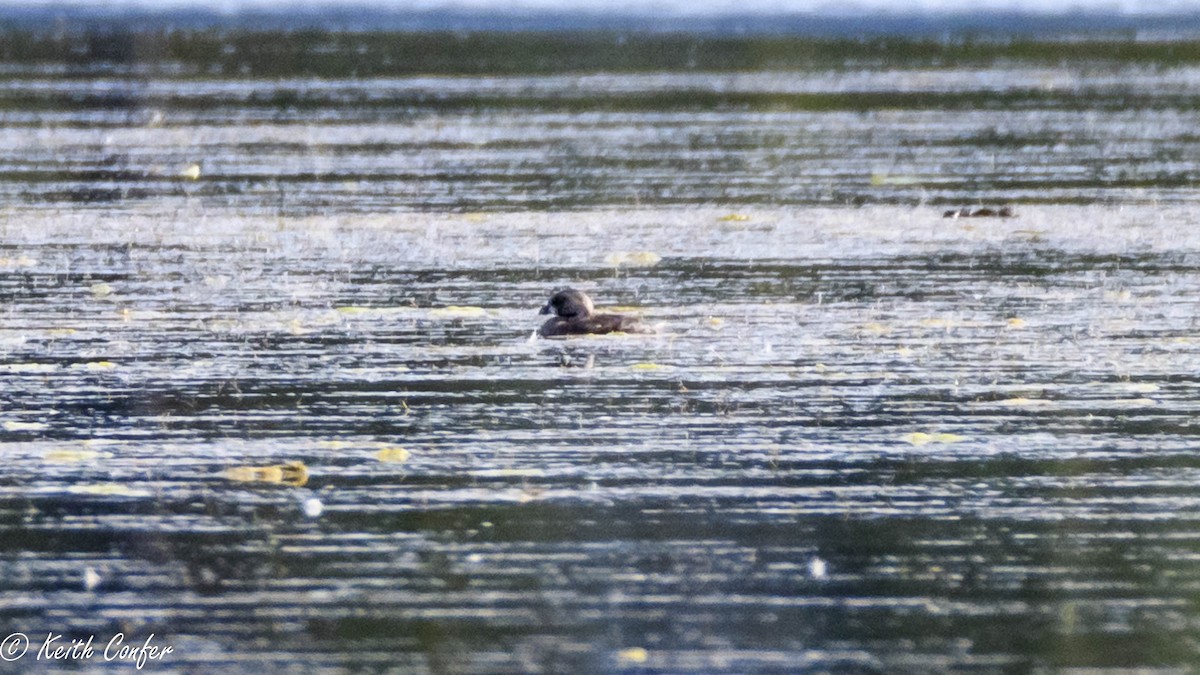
(574, 314)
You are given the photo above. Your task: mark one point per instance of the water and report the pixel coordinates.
(867, 438)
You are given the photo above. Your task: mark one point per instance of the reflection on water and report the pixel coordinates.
(270, 391)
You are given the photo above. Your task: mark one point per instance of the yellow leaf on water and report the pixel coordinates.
(100, 365)
(355, 310)
(456, 311)
(633, 655)
(334, 445)
(25, 426)
(294, 474)
(475, 217)
(948, 438)
(1015, 322)
(715, 322)
(632, 259)
(93, 442)
(921, 438)
(69, 456)
(649, 366)
(734, 218)
(939, 323)
(108, 490)
(190, 172)
(392, 454)
(101, 289)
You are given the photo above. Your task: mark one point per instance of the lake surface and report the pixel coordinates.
(271, 392)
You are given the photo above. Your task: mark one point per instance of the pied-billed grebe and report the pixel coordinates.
(574, 314)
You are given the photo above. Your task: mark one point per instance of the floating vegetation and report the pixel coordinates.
(392, 454)
(632, 259)
(74, 456)
(457, 312)
(294, 474)
(108, 490)
(633, 656)
(880, 179)
(919, 438)
(365, 312)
